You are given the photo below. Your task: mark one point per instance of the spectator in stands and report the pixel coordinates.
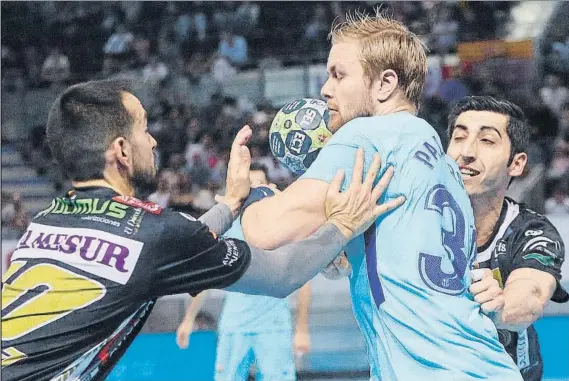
(445, 31)
(198, 65)
(546, 127)
(317, 28)
(8, 209)
(553, 94)
(558, 59)
(141, 48)
(154, 72)
(559, 168)
(247, 15)
(168, 48)
(222, 71)
(204, 148)
(183, 27)
(558, 203)
(120, 42)
(117, 48)
(204, 198)
(20, 219)
(55, 69)
(453, 88)
(234, 47)
(162, 194)
(224, 15)
(199, 171)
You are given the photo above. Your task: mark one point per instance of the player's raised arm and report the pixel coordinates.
(281, 271)
(299, 210)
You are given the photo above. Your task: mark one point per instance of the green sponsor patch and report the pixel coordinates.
(87, 206)
(543, 259)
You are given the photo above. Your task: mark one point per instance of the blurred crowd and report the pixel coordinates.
(72, 41)
(170, 42)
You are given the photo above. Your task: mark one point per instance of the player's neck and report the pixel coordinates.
(392, 107)
(486, 215)
(110, 180)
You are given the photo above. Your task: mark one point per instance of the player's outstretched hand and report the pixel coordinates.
(183, 334)
(354, 210)
(237, 183)
(487, 291)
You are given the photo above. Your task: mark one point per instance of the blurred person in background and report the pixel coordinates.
(55, 69)
(252, 328)
(154, 72)
(162, 194)
(445, 30)
(519, 250)
(554, 94)
(558, 203)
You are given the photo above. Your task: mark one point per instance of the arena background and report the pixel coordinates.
(199, 89)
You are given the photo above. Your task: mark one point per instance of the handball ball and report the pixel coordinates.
(298, 133)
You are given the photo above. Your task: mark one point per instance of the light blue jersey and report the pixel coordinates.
(254, 328)
(252, 313)
(411, 269)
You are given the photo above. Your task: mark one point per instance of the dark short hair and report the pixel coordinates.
(260, 167)
(518, 129)
(82, 123)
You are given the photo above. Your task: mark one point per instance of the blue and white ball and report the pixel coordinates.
(298, 133)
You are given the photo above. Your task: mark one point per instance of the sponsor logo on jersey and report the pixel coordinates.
(134, 222)
(232, 253)
(533, 233)
(100, 253)
(95, 206)
(500, 248)
(150, 207)
(101, 220)
(545, 260)
(540, 243)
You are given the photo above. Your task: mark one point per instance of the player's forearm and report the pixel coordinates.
(268, 224)
(194, 308)
(302, 308)
(280, 272)
(218, 219)
(524, 303)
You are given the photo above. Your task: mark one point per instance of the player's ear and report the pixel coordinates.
(121, 152)
(518, 164)
(385, 85)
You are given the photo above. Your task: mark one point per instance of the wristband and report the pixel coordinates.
(256, 194)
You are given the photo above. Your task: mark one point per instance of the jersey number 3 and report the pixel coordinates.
(446, 277)
(39, 295)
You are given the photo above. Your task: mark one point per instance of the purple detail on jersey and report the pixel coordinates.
(89, 248)
(438, 199)
(371, 264)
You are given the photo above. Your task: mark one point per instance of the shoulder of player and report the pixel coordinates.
(530, 229)
(527, 218)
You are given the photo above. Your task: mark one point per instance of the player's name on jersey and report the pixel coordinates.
(104, 254)
(108, 208)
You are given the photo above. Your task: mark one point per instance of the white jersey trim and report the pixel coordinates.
(513, 210)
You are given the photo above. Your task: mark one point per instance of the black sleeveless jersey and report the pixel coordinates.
(524, 239)
(86, 274)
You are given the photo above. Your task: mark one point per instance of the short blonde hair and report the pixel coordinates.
(386, 44)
